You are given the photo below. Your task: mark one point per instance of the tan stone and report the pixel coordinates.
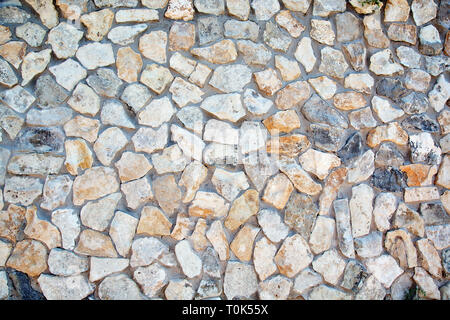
(288, 146)
(198, 237)
(443, 177)
(78, 156)
(239, 8)
(46, 10)
(153, 222)
(396, 10)
(242, 209)
(282, 122)
(11, 221)
(319, 163)
(332, 185)
(421, 194)
(167, 193)
(216, 235)
(278, 191)
(419, 174)
(293, 95)
(409, 219)
(153, 46)
(94, 183)
(445, 199)
(300, 178)
(180, 10)
(183, 227)
(193, 176)
(285, 19)
(293, 256)
(30, 257)
(391, 132)
(349, 100)
(222, 52)
(98, 24)
(33, 64)
(156, 77)
(429, 257)
(41, 230)
(13, 52)
(426, 283)
(129, 64)
(268, 81)
(94, 243)
(242, 245)
(82, 127)
(181, 36)
(132, 166)
(399, 245)
(208, 204)
(5, 34)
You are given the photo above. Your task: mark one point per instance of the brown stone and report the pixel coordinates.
(41, 230)
(403, 32)
(391, 132)
(419, 174)
(220, 53)
(282, 122)
(288, 146)
(11, 222)
(13, 52)
(293, 95)
(167, 193)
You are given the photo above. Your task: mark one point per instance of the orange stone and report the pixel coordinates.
(419, 174)
(13, 52)
(11, 221)
(288, 146)
(282, 121)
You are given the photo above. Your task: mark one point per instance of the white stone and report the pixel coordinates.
(122, 230)
(66, 263)
(330, 265)
(99, 268)
(68, 73)
(361, 209)
(189, 261)
(384, 268)
(69, 225)
(65, 288)
(272, 225)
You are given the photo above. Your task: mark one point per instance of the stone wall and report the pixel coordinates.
(224, 149)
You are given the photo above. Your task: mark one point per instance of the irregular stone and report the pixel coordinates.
(153, 222)
(343, 227)
(29, 256)
(49, 117)
(129, 64)
(11, 222)
(95, 55)
(300, 214)
(254, 54)
(390, 132)
(64, 40)
(385, 111)
(373, 33)
(322, 234)
(361, 209)
(349, 100)
(218, 239)
(5, 251)
(408, 57)
(13, 52)
(137, 15)
(179, 290)
(272, 226)
(282, 122)
(332, 184)
(32, 33)
(306, 280)
(275, 38)
(121, 231)
(222, 52)
(239, 281)
(361, 82)
(94, 183)
(68, 73)
(84, 100)
(429, 41)
(348, 27)
(265, 9)
(209, 30)
(97, 215)
(109, 143)
(66, 263)
(33, 64)
(97, 23)
(305, 54)
(94, 243)
(183, 227)
(434, 213)
(259, 169)
(439, 235)
(382, 63)
(263, 256)
(430, 259)
(423, 11)
(181, 36)
(22, 190)
(330, 265)
(388, 179)
(285, 20)
(242, 245)
(103, 267)
(55, 192)
(156, 77)
(224, 106)
(14, 15)
(402, 32)
(180, 10)
(136, 96)
(409, 219)
(113, 114)
(167, 193)
(354, 277)
(119, 287)
(426, 283)
(423, 149)
(293, 256)
(198, 236)
(396, 10)
(34, 164)
(324, 292)
(361, 168)
(151, 278)
(75, 287)
(242, 209)
(39, 140)
(322, 32)
(356, 55)
(149, 140)
(184, 92)
(82, 127)
(46, 11)
(68, 224)
(352, 149)
(361, 119)
(276, 288)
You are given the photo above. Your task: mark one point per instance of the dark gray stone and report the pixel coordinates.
(326, 137)
(352, 149)
(49, 94)
(446, 261)
(317, 110)
(388, 155)
(22, 286)
(389, 179)
(434, 214)
(391, 88)
(354, 276)
(420, 122)
(414, 103)
(300, 214)
(40, 139)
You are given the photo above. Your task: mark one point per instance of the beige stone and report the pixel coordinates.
(430, 259)
(293, 256)
(129, 64)
(349, 100)
(242, 245)
(180, 10)
(29, 256)
(198, 236)
(208, 204)
(11, 221)
(293, 95)
(300, 178)
(419, 174)
(156, 77)
(13, 52)
(267, 81)
(330, 190)
(242, 209)
(33, 64)
(282, 122)
(153, 222)
(216, 235)
(94, 243)
(98, 23)
(183, 227)
(278, 191)
(181, 36)
(153, 46)
(78, 156)
(132, 166)
(285, 19)
(391, 132)
(399, 244)
(46, 10)
(41, 230)
(82, 127)
(222, 52)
